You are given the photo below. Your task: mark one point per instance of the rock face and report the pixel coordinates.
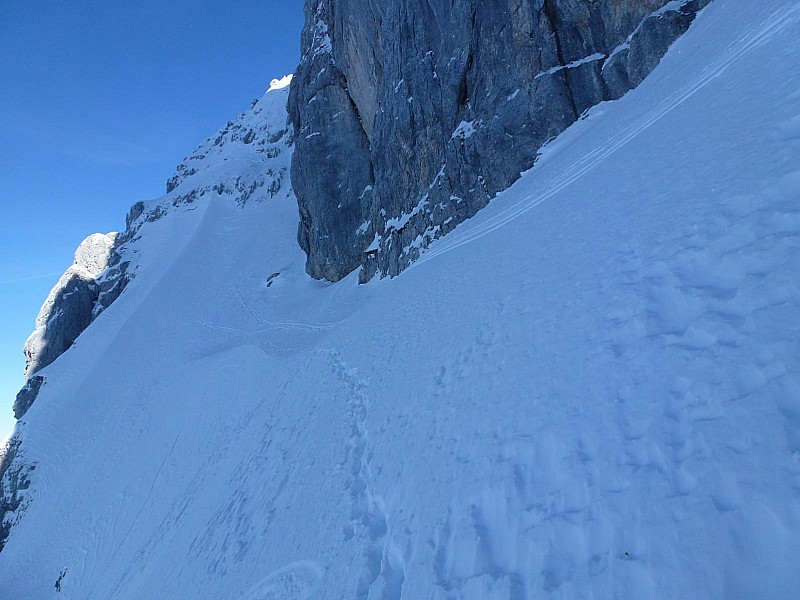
(27, 395)
(69, 307)
(411, 115)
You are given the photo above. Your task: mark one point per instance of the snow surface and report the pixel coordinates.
(590, 390)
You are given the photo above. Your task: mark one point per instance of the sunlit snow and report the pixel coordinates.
(589, 390)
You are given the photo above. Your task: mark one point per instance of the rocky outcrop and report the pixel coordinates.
(26, 396)
(247, 160)
(411, 115)
(70, 306)
(14, 484)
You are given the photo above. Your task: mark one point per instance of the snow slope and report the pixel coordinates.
(590, 390)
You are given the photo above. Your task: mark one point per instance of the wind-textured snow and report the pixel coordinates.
(590, 390)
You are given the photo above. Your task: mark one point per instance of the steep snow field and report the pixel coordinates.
(590, 390)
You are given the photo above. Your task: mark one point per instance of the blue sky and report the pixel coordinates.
(99, 102)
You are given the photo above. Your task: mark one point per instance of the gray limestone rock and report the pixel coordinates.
(333, 171)
(410, 115)
(27, 395)
(14, 483)
(69, 307)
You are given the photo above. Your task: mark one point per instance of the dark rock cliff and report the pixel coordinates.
(410, 115)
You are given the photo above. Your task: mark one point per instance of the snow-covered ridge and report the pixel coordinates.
(248, 157)
(246, 161)
(246, 144)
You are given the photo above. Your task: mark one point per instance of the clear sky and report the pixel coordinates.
(99, 101)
